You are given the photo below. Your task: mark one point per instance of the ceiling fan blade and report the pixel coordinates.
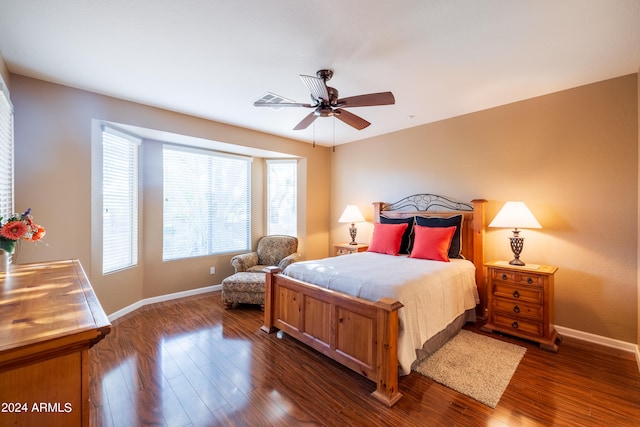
(369, 100)
(316, 86)
(350, 119)
(304, 123)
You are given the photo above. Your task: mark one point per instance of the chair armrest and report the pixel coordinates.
(289, 260)
(243, 262)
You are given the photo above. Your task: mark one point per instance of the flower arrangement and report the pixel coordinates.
(19, 227)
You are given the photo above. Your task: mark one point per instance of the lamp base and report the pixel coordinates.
(517, 244)
(352, 232)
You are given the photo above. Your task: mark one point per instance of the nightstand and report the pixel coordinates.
(520, 302)
(346, 249)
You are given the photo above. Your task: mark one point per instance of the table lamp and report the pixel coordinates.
(515, 215)
(352, 214)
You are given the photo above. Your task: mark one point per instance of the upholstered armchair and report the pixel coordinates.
(272, 251)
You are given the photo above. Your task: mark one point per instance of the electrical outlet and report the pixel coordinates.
(212, 270)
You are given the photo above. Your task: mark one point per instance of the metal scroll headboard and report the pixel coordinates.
(427, 203)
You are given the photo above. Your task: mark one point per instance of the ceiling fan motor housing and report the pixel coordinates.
(324, 111)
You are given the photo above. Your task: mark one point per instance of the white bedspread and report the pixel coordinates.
(433, 293)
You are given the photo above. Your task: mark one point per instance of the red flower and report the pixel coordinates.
(14, 230)
(38, 233)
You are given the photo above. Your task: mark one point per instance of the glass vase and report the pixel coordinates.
(7, 248)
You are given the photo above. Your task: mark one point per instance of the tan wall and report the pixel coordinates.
(638, 279)
(572, 156)
(569, 155)
(53, 138)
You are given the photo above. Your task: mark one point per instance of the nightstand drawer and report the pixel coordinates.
(510, 276)
(517, 293)
(516, 325)
(531, 279)
(517, 277)
(344, 251)
(347, 248)
(518, 309)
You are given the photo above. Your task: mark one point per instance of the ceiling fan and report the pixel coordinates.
(325, 102)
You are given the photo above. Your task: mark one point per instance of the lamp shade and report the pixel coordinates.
(515, 215)
(351, 214)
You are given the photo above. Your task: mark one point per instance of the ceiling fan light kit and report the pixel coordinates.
(326, 103)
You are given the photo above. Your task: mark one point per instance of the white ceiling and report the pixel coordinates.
(214, 58)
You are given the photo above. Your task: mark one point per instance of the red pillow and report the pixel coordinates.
(387, 238)
(432, 242)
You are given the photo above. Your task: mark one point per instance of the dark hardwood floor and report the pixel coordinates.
(190, 362)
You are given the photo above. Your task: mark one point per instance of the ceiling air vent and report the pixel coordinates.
(272, 100)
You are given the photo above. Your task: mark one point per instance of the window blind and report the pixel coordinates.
(207, 202)
(6, 152)
(282, 212)
(119, 200)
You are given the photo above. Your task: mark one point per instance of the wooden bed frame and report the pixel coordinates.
(360, 334)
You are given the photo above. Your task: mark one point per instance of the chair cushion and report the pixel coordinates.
(272, 249)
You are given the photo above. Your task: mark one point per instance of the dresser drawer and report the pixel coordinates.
(518, 309)
(517, 326)
(517, 293)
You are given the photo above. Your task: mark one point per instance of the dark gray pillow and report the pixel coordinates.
(456, 241)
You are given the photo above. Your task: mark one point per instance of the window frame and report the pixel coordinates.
(212, 236)
(7, 150)
(133, 197)
(294, 187)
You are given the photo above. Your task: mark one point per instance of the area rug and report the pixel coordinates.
(475, 365)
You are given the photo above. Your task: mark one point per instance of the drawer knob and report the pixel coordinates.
(514, 325)
(529, 280)
(504, 277)
(516, 294)
(516, 309)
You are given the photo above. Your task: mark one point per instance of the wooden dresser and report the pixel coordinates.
(49, 318)
(520, 302)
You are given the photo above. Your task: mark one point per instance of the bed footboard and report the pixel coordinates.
(356, 333)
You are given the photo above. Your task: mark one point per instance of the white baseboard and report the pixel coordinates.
(161, 298)
(598, 339)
